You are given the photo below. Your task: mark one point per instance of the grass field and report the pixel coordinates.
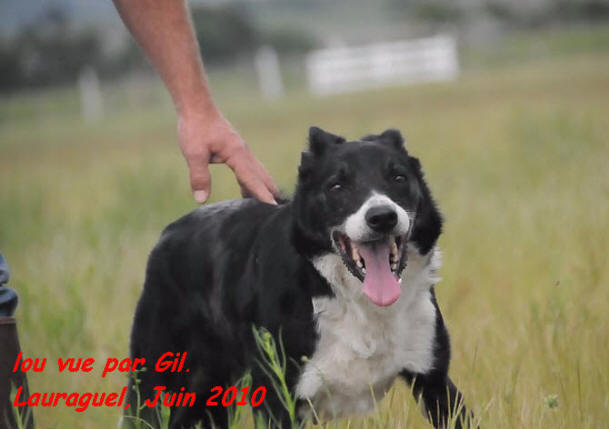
(517, 158)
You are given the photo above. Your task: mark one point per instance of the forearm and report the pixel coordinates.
(164, 30)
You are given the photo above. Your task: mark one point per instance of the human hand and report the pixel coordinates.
(209, 138)
(164, 30)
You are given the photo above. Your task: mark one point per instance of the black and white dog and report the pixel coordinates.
(344, 272)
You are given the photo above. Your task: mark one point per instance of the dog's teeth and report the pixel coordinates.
(354, 252)
(364, 270)
(394, 266)
(400, 280)
(360, 263)
(394, 249)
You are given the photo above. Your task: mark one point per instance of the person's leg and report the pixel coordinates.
(8, 355)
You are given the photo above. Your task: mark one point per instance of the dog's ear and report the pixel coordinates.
(320, 140)
(306, 164)
(392, 137)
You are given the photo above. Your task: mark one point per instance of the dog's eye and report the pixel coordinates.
(400, 178)
(334, 187)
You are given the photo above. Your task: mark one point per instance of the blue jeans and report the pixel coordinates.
(8, 297)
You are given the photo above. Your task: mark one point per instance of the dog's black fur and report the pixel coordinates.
(225, 267)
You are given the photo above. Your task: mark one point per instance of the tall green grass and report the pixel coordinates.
(517, 159)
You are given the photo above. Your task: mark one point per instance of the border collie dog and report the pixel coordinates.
(344, 273)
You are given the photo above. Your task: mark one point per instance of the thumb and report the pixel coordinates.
(200, 180)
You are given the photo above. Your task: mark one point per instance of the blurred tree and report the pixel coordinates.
(429, 11)
(437, 11)
(549, 12)
(223, 32)
(287, 40)
(47, 51)
(581, 10)
(55, 58)
(53, 50)
(10, 72)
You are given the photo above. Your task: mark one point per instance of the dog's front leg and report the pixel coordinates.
(440, 400)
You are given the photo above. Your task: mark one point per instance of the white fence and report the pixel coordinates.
(91, 102)
(382, 64)
(269, 73)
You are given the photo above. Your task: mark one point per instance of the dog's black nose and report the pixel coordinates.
(381, 218)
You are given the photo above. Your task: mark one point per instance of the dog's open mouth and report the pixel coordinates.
(378, 264)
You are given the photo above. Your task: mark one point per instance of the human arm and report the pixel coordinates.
(164, 30)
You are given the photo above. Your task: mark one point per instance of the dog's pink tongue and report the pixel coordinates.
(380, 285)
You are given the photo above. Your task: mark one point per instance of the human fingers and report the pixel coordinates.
(200, 179)
(252, 178)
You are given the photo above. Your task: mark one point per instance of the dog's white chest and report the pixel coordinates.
(362, 348)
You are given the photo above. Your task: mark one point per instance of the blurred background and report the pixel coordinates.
(505, 102)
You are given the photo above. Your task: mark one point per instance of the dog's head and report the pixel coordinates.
(364, 200)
